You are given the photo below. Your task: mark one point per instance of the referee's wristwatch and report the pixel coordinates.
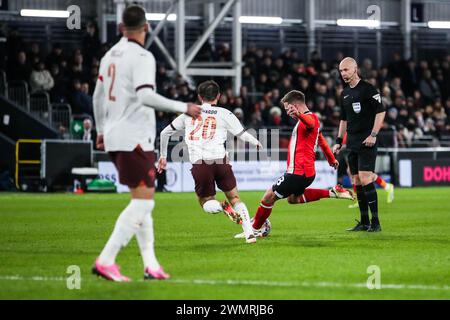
(373, 134)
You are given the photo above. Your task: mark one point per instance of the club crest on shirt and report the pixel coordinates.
(356, 107)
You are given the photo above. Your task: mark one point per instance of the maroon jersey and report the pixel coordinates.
(302, 147)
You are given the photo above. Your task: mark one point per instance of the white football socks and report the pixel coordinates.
(146, 239)
(241, 208)
(212, 206)
(128, 223)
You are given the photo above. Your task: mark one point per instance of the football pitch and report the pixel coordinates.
(308, 254)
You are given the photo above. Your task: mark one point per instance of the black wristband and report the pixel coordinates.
(339, 141)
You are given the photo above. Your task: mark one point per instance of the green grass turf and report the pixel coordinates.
(307, 256)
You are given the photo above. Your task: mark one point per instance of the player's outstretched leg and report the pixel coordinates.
(388, 187)
(126, 227)
(262, 213)
(311, 195)
(241, 210)
(355, 204)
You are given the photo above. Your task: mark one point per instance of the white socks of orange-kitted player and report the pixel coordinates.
(134, 219)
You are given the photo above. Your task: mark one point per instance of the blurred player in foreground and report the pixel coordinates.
(124, 103)
(205, 138)
(300, 171)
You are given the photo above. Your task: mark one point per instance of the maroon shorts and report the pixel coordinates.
(207, 173)
(136, 168)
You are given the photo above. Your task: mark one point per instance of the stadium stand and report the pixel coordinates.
(415, 93)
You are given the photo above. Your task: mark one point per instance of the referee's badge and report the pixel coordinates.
(356, 107)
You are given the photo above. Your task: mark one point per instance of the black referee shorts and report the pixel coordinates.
(289, 184)
(362, 159)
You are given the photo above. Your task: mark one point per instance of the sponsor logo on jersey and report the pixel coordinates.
(210, 111)
(356, 107)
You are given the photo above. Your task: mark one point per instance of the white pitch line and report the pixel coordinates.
(307, 284)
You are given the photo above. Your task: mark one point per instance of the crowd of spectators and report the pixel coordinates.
(415, 93)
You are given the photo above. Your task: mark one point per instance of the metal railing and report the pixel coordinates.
(61, 115)
(3, 84)
(40, 105)
(18, 92)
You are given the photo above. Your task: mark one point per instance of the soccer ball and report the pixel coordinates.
(266, 227)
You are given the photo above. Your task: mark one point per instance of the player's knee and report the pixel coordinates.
(269, 197)
(233, 198)
(291, 199)
(135, 212)
(365, 178)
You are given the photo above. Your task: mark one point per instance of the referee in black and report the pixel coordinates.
(362, 115)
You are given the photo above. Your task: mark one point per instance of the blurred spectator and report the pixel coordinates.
(366, 69)
(41, 79)
(89, 133)
(91, 42)
(34, 56)
(247, 79)
(56, 56)
(14, 44)
(239, 113)
(19, 69)
(80, 100)
(78, 70)
(429, 87)
(275, 117)
(185, 94)
(59, 91)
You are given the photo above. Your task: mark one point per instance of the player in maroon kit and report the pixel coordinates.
(300, 171)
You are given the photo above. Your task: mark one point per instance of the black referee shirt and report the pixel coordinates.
(359, 106)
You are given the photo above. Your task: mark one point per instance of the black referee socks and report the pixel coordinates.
(363, 205)
(372, 201)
